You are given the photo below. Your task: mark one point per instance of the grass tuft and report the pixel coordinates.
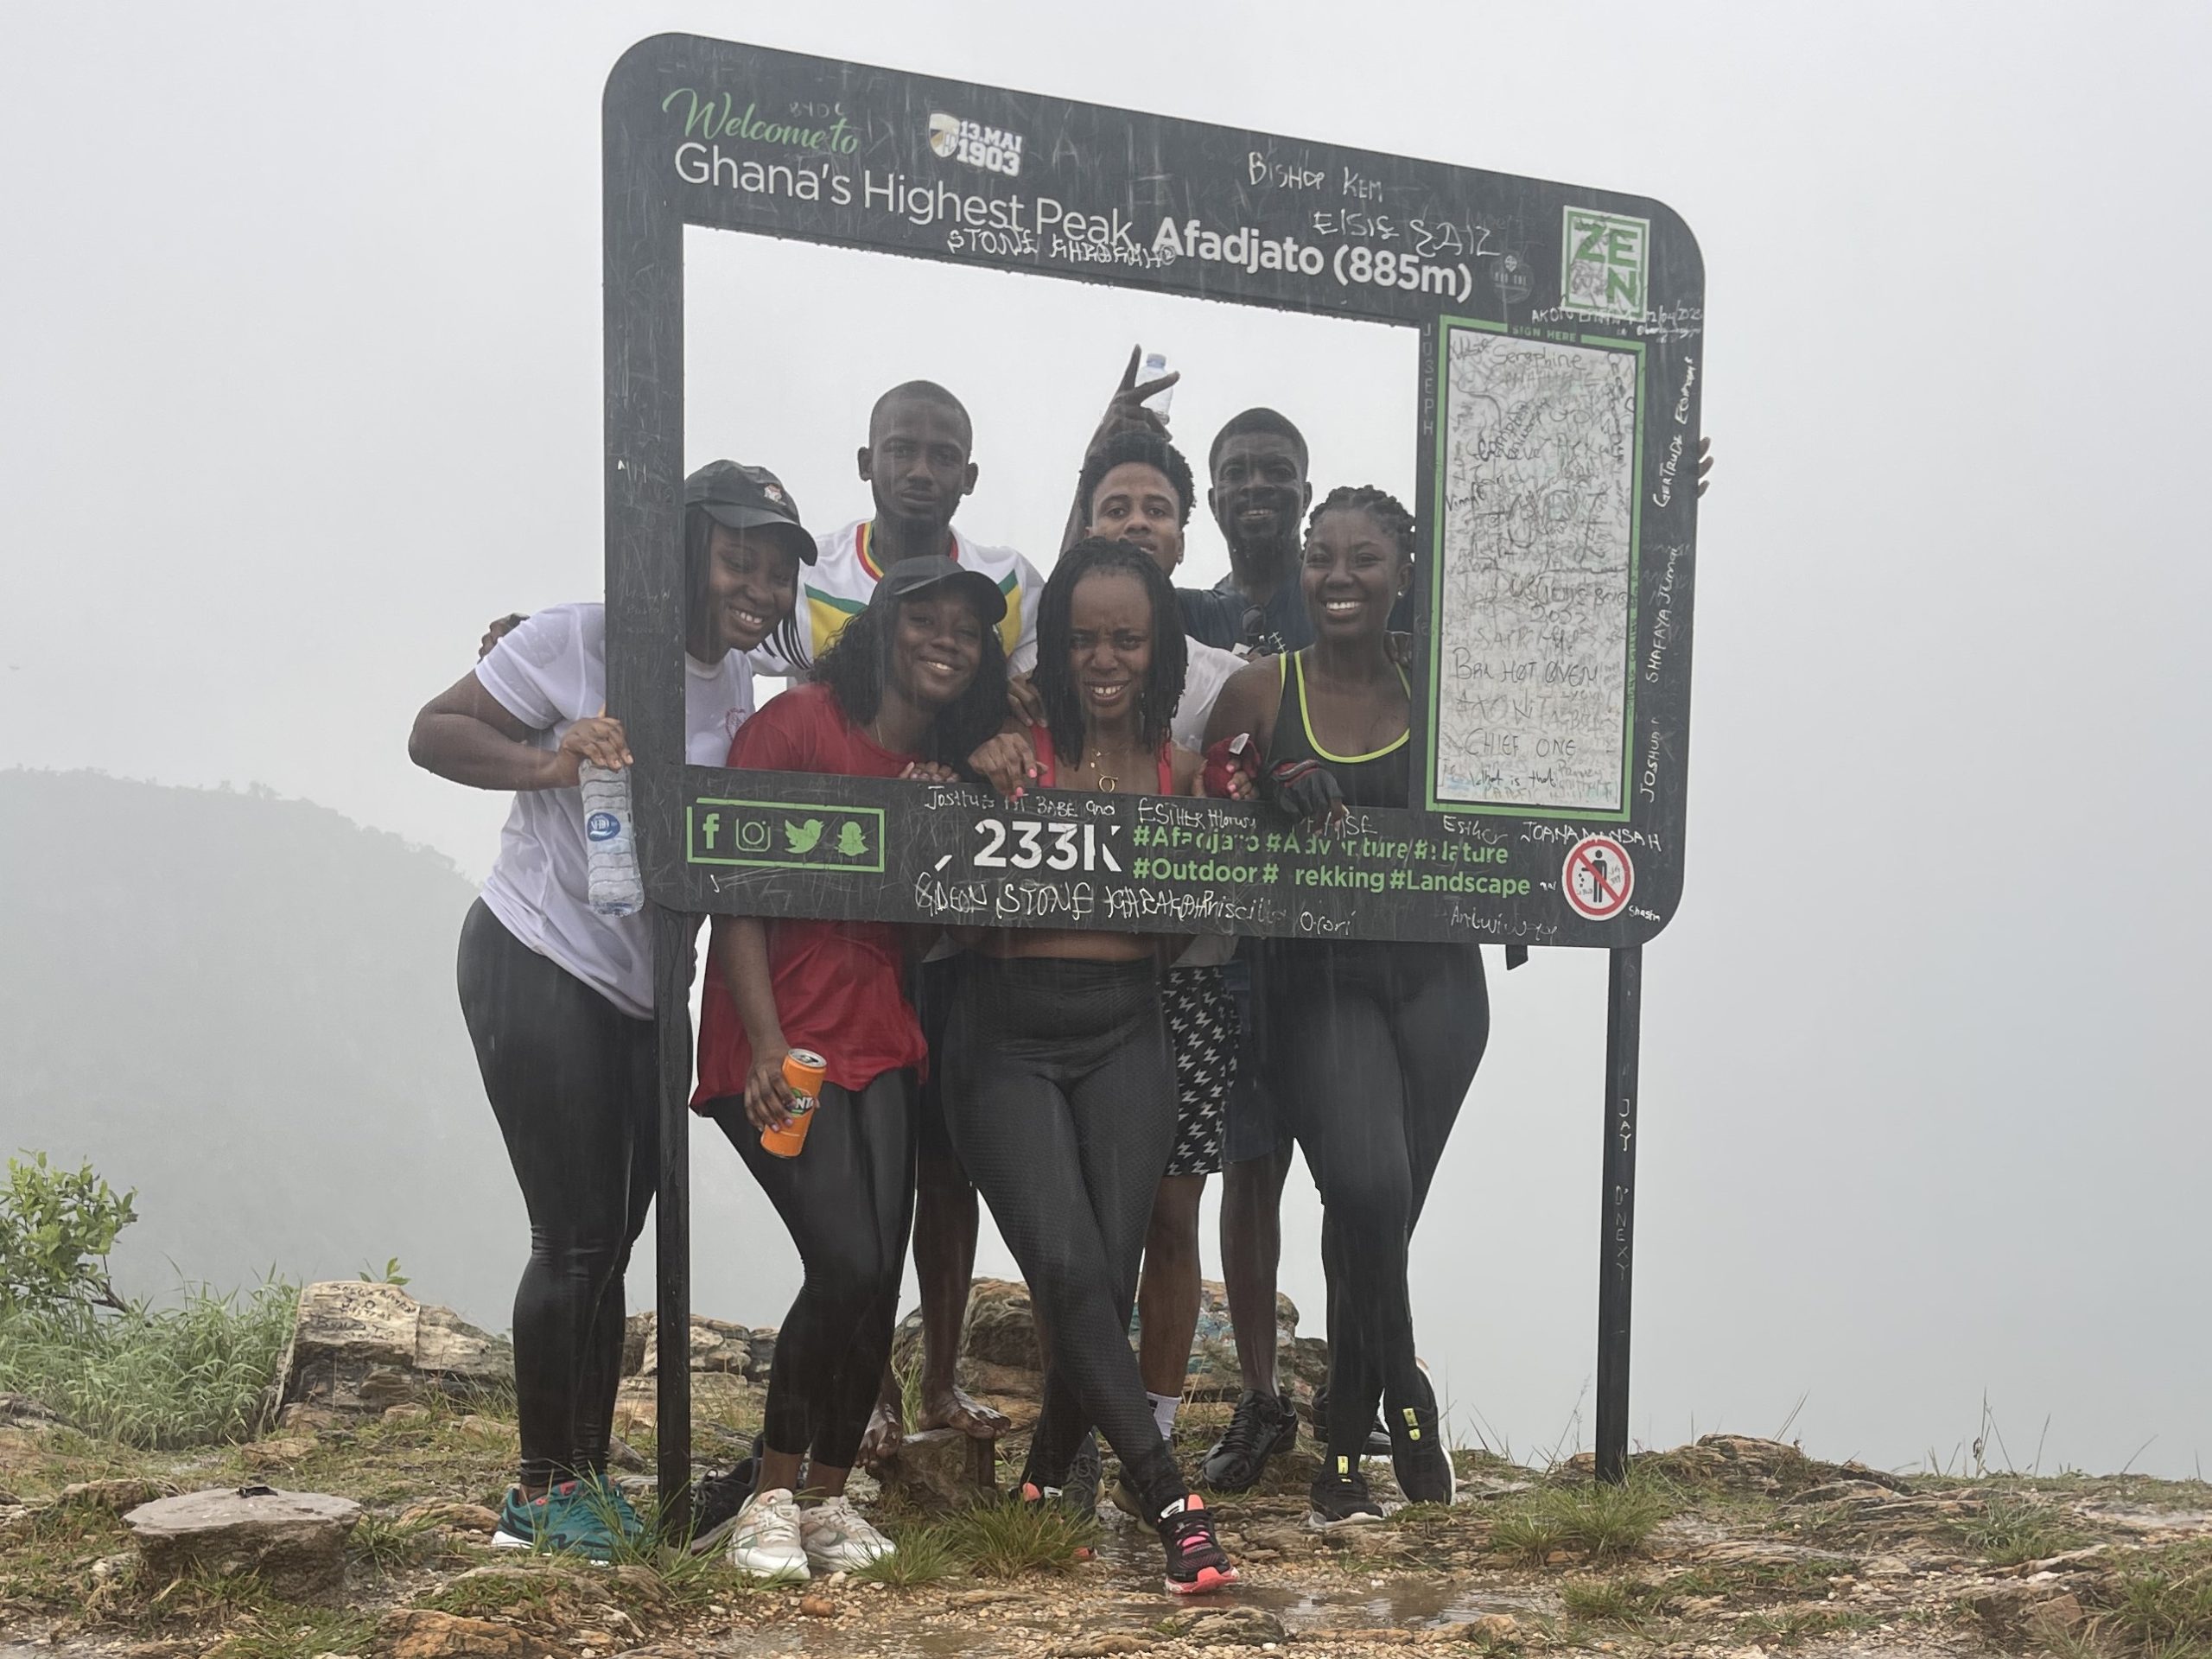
(925, 1555)
(155, 1378)
(1790, 1626)
(1527, 1535)
(2010, 1530)
(1614, 1601)
(2162, 1607)
(1602, 1522)
(384, 1546)
(1004, 1540)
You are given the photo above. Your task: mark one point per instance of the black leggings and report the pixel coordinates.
(573, 1081)
(1375, 1047)
(847, 1200)
(1060, 1096)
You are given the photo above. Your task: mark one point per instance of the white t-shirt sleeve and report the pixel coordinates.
(1023, 659)
(1207, 670)
(538, 673)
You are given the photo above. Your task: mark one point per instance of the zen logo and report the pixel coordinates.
(987, 147)
(1605, 263)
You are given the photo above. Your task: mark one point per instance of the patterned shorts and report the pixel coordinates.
(1203, 1030)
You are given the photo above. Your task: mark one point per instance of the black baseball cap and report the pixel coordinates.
(911, 576)
(748, 498)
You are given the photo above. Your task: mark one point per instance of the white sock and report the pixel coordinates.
(1163, 1412)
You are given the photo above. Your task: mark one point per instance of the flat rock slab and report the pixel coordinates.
(294, 1540)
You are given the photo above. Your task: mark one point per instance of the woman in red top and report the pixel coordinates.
(915, 681)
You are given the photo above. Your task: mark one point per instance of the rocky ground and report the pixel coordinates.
(1733, 1548)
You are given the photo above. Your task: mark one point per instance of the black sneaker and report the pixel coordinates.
(716, 1499)
(1340, 1498)
(1078, 1493)
(1378, 1438)
(1418, 1455)
(1262, 1425)
(1084, 1477)
(1196, 1561)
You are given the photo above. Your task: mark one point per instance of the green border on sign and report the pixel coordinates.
(691, 856)
(1446, 326)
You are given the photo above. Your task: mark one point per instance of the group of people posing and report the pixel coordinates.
(1085, 1082)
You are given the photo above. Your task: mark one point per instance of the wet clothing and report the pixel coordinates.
(1219, 615)
(1060, 1096)
(1206, 1038)
(1376, 1045)
(1381, 777)
(1370, 1048)
(847, 1200)
(839, 985)
(558, 1000)
(848, 1197)
(837, 587)
(549, 673)
(574, 1082)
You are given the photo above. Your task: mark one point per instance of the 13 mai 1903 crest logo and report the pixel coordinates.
(988, 148)
(1605, 260)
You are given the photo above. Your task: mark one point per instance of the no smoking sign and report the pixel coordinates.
(1598, 878)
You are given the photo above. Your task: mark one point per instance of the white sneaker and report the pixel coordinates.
(838, 1538)
(765, 1542)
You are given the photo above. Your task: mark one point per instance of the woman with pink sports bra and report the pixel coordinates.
(1060, 1083)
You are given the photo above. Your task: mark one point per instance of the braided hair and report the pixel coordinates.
(1162, 686)
(1379, 505)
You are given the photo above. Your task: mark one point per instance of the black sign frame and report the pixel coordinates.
(1539, 305)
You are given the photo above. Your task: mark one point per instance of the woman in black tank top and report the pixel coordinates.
(1368, 1045)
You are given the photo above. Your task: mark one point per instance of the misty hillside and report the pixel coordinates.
(243, 1007)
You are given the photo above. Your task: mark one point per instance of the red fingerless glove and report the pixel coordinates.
(1226, 758)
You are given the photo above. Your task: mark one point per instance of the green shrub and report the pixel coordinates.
(56, 1229)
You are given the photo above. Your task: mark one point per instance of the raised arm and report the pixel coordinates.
(1125, 411)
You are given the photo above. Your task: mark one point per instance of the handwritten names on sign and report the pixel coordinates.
(1536, 485)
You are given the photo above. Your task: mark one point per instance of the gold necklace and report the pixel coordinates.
(1108, 781)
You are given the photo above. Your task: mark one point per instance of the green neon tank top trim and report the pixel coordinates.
(1306, 717)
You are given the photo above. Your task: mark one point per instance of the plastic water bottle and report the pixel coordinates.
(1155, 365)
(610, 851)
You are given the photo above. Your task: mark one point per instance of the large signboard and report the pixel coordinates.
(1556, 405)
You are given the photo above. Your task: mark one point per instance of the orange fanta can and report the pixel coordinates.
(804, 1070)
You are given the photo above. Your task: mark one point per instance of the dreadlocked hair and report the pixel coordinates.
(1379, 505)
(858, 663)
(1162, 686)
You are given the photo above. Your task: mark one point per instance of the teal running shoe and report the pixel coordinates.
(614, 1510)
(566, 1521)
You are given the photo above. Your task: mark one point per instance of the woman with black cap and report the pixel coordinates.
(913, 684)
(558, 997)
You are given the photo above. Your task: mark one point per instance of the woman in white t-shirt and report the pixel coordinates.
(559, 998)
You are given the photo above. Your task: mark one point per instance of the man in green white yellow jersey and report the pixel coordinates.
(916, 463)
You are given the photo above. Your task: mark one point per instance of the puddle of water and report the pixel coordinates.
(1401, 1604)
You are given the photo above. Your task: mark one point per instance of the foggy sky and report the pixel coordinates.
(300, 317)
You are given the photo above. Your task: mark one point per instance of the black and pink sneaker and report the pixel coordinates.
(1196, 1561)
